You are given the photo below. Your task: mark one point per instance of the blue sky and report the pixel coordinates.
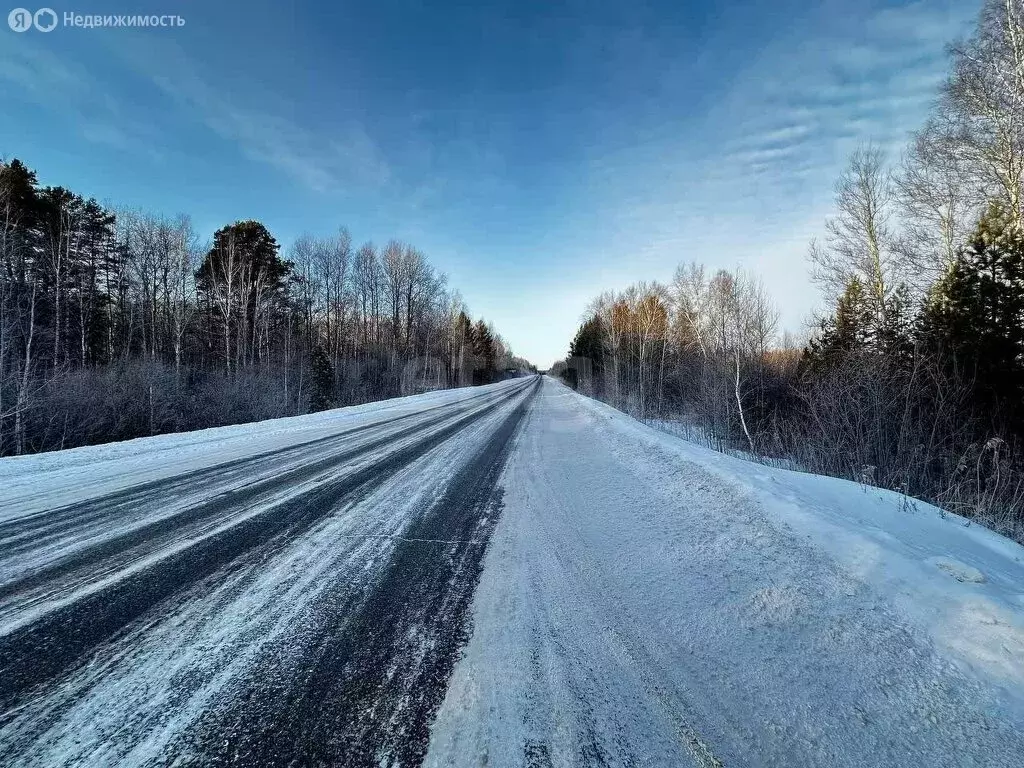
(539, 153)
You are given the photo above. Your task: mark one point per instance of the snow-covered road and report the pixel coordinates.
(502, 576)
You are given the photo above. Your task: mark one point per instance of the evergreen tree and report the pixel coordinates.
(896, 334)
(20, 235)
(245, 282)
(484, 349)
(974, 316)
(91, 281)
(18, 192)
(247, 248)
(61, 217)
(589, 341)
(322, 397)
(848, 331)
(463, 334)
(589, 344)
(82, 292)
(463, 326)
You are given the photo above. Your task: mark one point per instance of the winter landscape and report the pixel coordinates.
(689, 432)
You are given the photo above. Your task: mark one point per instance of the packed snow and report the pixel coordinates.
(642, 601)
(647, 600)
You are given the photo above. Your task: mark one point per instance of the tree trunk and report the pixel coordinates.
(739, 405)
(22, 399)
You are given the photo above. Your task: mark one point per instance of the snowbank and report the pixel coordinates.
(962, 583)
(648, 601)
(45, 480)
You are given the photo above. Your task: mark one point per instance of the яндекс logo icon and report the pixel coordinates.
(20, 19)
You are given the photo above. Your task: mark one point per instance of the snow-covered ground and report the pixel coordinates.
(45, 480)
(206, 595)
(647, 601)
(503, 576)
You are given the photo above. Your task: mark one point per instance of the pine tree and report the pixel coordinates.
(21, 212)
(589, 341)
(848, 331)
(484, 349)
(322, 397)
(256, 252)
(245, 280)
(94, 301)
(896, 334)
(589, 344)
(974, 316)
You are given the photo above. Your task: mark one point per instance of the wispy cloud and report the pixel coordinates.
(259, 127)
(55, 84)
(347, 156)
(868, 78)
(749, 181)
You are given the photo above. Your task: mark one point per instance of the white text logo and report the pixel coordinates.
(45, 20)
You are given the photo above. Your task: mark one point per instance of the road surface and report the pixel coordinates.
(503, 576)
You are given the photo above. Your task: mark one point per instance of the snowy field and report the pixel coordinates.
(504, 576)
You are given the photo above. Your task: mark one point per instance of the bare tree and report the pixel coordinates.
(984, 103)
(367, 279)
(938, 201)
(109, 329)
(688, 295)
(394, 264)
(24, 384)
(225, 287)
(332, 259)
(180, 290)
(651, 323)
(416, 277)
(860, 242)
(614, 316)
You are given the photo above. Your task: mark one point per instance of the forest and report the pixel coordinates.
(121, 324)
(912, 378)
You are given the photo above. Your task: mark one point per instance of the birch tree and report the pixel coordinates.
(984, 102)
(860, 241)
(938, 203)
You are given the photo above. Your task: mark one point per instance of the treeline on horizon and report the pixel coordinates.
(914, 378)
(116, 325)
